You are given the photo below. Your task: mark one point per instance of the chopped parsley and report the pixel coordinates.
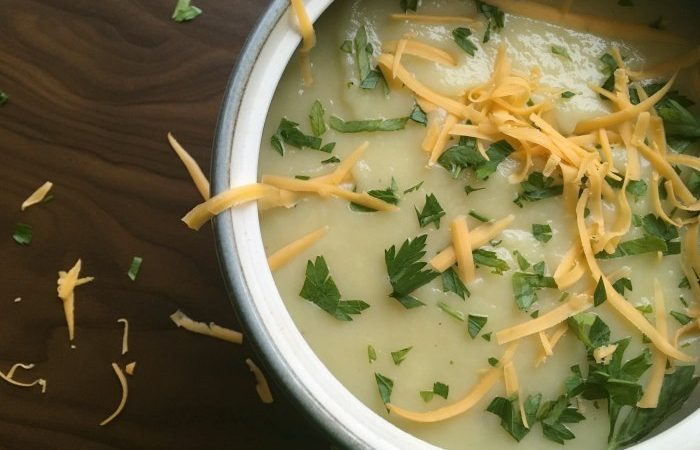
(22, 234)
(461, 37)
(561, 51)
(3, 98)
(479, 217)
(318, 126)
(523, 263)
(475, 323)
(413, 188)
(487, 336)
(455, 313)
(468, 189)
(134, 268)
(371, 354)
(346, 46)
(385, 386)
(399, 355)
(452, 283)
(432, 212)
(526, 285)
(440, 389)
(599, 295)
(371, 125)
(659, 236)
(537, 187)
(683, 319)
(465, 154)
(542, 232)
(320, 289)
(185, 11)
(493, 362)
(494, 16)
(331, 160)
(363, 52)
(535, 314)
(622, 284)
(509, 412)
(409, 4)
(405, 270)
(289, 133)
(488, 258)
(567, 94)
(388, 195)
(418, 115)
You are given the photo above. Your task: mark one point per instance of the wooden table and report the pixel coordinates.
(94, 87)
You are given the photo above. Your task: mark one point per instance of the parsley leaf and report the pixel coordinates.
(399, 355)
(388, 195)
(134, 268)
(363, 52)
(599, 295)
(683, 319)
(452, 283)
(439, 388)
(542, 232)
(406, 272)
(3, 98)
(523, 263)
(561, 51)
(346, 46)
(479, 217)
(567, 94)
(414, 188)
(675, 390)
(432, 212)
(475, 323)
(320, 289)
(526, 285)
(371, 354)
(185, 12)
(318, 126)
(509, 412)
(622, 284)
(537, 187)
(418, 115)
(495, 17)
(554, 415)
(370, 125)
(646, 244)
(331, 160)
(385, 386)
(289, 133)
(464, 155)
(461, 37)
(487, 336)
(488, 258)
(22, 234)
(450, 311)
(468, 189)
(409, 4)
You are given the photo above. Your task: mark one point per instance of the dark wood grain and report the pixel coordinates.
(94, 87)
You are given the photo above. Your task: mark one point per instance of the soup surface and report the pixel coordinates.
(426, 349)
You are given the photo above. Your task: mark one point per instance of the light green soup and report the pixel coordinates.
(441, 348)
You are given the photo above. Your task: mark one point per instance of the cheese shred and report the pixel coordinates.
(200, 180)
(125, 394)
(212, 329)
(37, 196)
(262, 387)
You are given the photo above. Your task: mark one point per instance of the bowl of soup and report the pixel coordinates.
(469, 224)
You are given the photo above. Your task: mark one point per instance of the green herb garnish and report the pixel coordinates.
(346, 46)
(371, 354)
(468, 189)
(134, 267)
(479, 217)
(22, 234)
(418, 115)
(523, 263)
(475, 323)
(405, 270)
(432, 212)
(487, 258)
(683, 319)
(3, 98)
(494, 16)
(385, 386)
(464, 155)
(320, 289)
(318, 126)
(537, 187)
(461, 37)
(487, 336)
(567, 94)
(399, 355)
(371, 125)
(413, 188)
(185, 11)
(622, 284)
(493, 362)
(452, 283)
(561, 51)
(599, 295)
(455, 313)
(289, 133)
(526, 285)
(542, 232)
(331, 160)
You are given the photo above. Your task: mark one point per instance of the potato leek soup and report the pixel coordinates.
(483, 216)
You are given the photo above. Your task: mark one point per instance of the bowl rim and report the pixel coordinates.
(681, 435)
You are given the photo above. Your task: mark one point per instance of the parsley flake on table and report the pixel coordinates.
(185, 11)
(22, 234)
(134, 268)
(320, 289)
(405, 270)
(3, 98)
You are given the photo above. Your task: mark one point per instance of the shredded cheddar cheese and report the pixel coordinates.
(200, 180)
(212, 329)
(67, 282)
(289, 251)
(262, 387)
(9, 377)
(125, 393)
(37, 196)
(308, 39)
(125, 335)
(650, 399)
(462, 244)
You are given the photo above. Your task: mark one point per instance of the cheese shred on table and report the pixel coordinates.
(37, 196)
(67, 282)
(125, 394)
(211, 329)
(262, 387)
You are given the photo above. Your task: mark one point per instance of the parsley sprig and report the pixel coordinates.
(320, 289)
(406, 270)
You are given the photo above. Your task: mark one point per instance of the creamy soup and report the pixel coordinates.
(427, 352)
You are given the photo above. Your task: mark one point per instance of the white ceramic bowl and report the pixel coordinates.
(268, 325)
